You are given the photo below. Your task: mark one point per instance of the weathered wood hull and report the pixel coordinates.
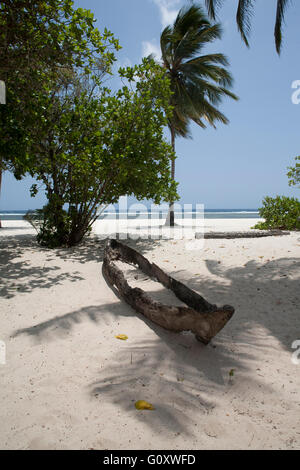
(243, 234)
(199, 316)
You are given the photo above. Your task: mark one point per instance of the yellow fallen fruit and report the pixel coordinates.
(143, 405)
(123, 337)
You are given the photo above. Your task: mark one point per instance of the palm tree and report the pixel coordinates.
(244, 14)
(198, 82)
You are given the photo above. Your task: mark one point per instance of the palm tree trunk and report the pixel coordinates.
(170, 216)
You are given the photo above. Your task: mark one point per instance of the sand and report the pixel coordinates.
(68, 383)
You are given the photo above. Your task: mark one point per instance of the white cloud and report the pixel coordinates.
(168, 10)
(151, 47)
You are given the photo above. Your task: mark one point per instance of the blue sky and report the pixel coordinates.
(237, 165)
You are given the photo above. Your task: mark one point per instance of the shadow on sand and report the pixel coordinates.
(16, 268)
(19, 274)
(181, 370)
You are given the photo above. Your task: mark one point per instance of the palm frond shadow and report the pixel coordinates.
(191, 370)
(274, 297)
(62, 325)
(175, 372)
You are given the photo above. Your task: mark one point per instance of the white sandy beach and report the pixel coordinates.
(69, 383)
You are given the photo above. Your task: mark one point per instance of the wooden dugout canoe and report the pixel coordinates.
(199, 316)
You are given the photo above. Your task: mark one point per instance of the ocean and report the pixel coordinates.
(208, 214)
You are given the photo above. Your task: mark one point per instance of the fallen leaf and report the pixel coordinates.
(143, 405)
(123, 337)
(231, 372)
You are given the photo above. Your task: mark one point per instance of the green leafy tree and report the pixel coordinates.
(198, 82)
(280, 212)
(41, 43)
(294, 173)
(244, 15)
(94, 147)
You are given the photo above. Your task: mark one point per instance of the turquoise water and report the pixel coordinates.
(208, 214)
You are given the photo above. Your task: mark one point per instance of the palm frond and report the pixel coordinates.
(219, 75)
(166, 45)
(243, 18)
(210, 33)
(212, 7)
(189, 18)
(186, 48)
(190, 31)
(212, 114)
(180, 126)
(281, 7)
(209, 58)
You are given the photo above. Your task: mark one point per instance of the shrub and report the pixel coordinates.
(52, 223)
(280, 212)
